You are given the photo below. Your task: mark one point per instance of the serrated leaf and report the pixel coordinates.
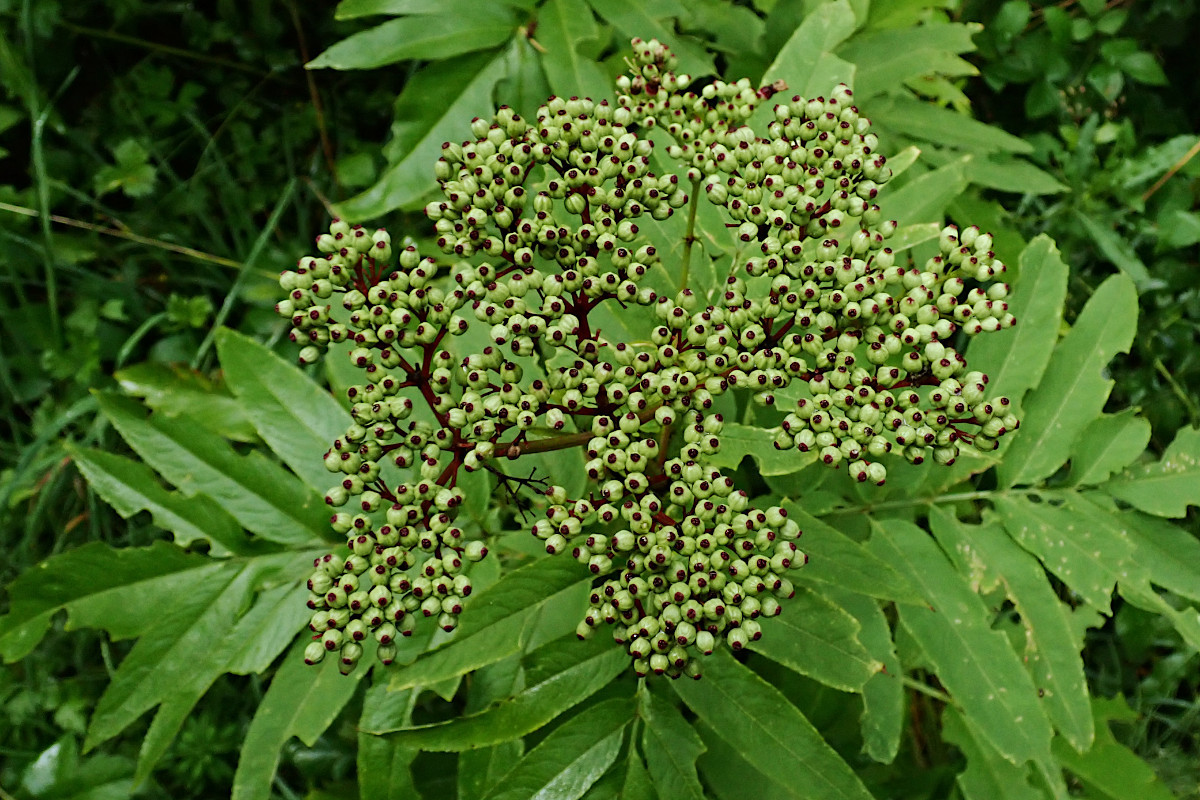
(1110, 443)
(727, 774)
(1089, 559)
(637, 785)
(434, 37)
(98, 586)
(1165, 488)
(269, 627)
(925, 198)
(739, 441)
(258, 493)
(435, 106)
(573, 757)
(671, 746)
(1110, 768)
(185, 648)
(354, 9)
(815, 637)
(1052, 647)
(799, 62)
(301, 701)
(931, 123)
(1119, 251)
(177, 391)
(1010, 174)
(838, 561)
(973, 661)
(1169, 553)
(912, 235)
(883, 695)
(130, 486)
(484, 767)
(988, 776)
(1015, 359)
(767, 730)
(636, 19)
(1074, 388)
(496, 622)
(570, 37)
(296, 418)
(886, 59)
(384, 767)
(584, 669)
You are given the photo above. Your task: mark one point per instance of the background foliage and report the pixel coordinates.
(160, 174)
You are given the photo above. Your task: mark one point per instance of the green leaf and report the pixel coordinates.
(179, 392)
(637, 781)
(258, 493)
(571, 39)
(584, 668)
(973, 661)
(671, 746)
(767, 730)
(835, 560)
(817, 638)
(1169, 553)
(727, 774)
(1119, 251)
(354, 9)
(433, 37)
(739, 441)
(1010, 174)
(912, 235)
(573, 757)
(301, 701)
(806, 62)
(1015, 359)
(497, 621)
(186, 646)
(296, 418)
(883, 695)
(1109, 768)
(1165, 488)
(384, 767)
(269, 626)
(886, 59)
(484, 767)
(925, 198)
(924, 121)
(1110, 443)
(1052, 641)
(1089, 559)
(988, 776)
(130, 486)
(435, 106)
(1075, 387)
(98, 586)
(636, 19)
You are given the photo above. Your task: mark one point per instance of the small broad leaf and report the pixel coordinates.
(441, 36)
(1165, 488)
(799, 61)
(975, 663)
(1015, 359)
(671, 746)
(496, 623)
(98, 586)
(1110, 443)
(583, 669)
(883, 695)
(301, 701)
(1109, 768)
(571, 40)
(256, 492)
(1074, 388)
(1090, 559)
(1052, 644)
(815, 637)
(739, 441)
(767, 730)
(130, 486)
(838, 561)
(885, 59)
(433, 108)
(636, 19)
(296, 418)
(989, 775)
(573, 757)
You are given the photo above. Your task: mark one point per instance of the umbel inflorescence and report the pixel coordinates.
(542, 223)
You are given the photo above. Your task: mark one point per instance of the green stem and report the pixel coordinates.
(690, 236)
(158, 47)
(924, 689)
(1188, 402)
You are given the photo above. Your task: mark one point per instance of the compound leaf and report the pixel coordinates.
(1167, 487)
(988, 776)
(671, 746)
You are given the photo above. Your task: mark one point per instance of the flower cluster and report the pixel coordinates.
(544, 221)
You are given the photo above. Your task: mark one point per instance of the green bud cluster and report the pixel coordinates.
(544, 220)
